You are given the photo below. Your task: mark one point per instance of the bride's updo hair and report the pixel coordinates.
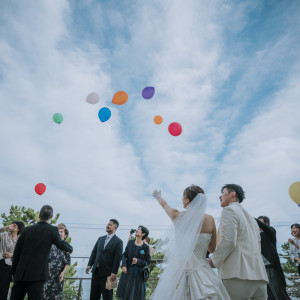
(192, 191)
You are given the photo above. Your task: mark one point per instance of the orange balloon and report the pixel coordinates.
(158, 119)
(120, 98)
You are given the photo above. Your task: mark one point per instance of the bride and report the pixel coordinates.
(187, 275)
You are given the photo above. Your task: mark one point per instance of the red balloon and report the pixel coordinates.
(40, 188)
(175, 129)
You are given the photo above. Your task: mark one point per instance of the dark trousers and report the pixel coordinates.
(5, 278)
(276, 290)
(98, 287)
(33, 289)
(299, 269)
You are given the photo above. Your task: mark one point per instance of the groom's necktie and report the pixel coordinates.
(106, 241)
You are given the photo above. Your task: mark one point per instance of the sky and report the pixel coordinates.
(227, 71)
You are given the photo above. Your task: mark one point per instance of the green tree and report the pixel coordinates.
(26, 215)
(154, 269)
(290, 270)
(29, 217)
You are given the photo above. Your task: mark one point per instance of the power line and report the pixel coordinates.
(101, 228)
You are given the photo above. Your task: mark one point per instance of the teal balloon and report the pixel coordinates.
(104, 114)
(58, 118)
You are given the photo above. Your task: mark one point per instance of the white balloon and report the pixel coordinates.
(92, 98)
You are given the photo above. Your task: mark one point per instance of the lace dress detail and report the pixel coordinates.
(198, 280)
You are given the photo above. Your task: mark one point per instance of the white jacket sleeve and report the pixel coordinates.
(228, 223)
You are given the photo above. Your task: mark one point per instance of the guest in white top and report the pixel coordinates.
(238, 255)
(295, 245)
(8, 240)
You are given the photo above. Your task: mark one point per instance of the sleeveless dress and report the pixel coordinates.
(197, 280)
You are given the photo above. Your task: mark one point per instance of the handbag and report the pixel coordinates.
(146, 274)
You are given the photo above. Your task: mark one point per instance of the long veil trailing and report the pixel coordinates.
(179, 251)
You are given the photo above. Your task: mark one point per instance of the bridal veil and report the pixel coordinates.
(180, 249)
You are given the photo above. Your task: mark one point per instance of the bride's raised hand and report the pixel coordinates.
(171, 212)
(156, 194)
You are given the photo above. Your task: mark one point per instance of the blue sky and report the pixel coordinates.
(227, 71)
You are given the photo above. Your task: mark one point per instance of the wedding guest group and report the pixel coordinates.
(8, 239)
(58, 263)
(244, 252)
(295, 245)
(105, 261)
(134, 260)
(30, 258)
(276, 288)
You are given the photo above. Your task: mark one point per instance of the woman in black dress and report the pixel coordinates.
(134, 260)
(57, 265)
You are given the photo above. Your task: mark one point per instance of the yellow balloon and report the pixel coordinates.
(294, 191)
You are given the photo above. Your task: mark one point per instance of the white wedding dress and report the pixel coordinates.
(198, 280)
(187, 274)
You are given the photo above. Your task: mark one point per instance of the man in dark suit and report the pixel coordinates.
(105, 260)
(30, 259)
(277, 285)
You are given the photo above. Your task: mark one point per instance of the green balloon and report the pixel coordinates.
(58, 118)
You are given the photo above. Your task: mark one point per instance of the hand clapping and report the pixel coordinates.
(156, 194)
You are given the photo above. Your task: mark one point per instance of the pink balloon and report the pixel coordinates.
(175, 129)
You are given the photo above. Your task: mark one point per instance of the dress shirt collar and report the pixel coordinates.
(110, 235)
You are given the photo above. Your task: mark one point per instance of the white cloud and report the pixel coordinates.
(95, 171)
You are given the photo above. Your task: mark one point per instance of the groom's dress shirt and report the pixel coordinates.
(108, 238)
(238, 254)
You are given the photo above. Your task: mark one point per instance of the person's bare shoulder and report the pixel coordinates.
(208, 224)
(209, 218)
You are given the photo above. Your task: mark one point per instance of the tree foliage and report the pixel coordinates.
(290, 270)
(27, 215)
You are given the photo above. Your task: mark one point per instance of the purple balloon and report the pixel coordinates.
(148, 92)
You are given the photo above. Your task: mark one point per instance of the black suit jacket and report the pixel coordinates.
(107, 258)
(268, 248)
(143, 257)
(30, 259)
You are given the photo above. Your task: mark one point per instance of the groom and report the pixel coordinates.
(238, 255)
(105, 260)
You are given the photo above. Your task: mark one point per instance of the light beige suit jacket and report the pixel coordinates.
(238, 254)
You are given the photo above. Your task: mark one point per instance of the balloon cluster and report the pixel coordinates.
(104, 114)
(121, 97)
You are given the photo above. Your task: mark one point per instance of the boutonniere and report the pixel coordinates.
(142, 252)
